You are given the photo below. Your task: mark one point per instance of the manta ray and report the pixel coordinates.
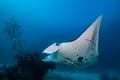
(80, 52)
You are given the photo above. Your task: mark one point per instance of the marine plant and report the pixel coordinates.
(13, 33)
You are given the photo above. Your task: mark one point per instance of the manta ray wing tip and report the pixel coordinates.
(100, 17)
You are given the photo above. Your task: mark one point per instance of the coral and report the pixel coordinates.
(29, 66)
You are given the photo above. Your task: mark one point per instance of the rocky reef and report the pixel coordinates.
(29, 66)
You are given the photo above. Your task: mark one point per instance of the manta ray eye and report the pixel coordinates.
(57, 44)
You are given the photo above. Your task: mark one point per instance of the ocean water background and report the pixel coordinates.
(47, 21)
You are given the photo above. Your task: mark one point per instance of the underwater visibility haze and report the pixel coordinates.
(41, 23)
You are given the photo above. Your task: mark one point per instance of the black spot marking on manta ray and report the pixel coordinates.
(80, 59)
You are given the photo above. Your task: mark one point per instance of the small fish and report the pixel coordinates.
(81, 52)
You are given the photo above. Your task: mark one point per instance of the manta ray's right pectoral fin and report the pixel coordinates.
(92, 32)
(89, 38)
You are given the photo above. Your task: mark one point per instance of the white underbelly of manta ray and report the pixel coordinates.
(81, 52)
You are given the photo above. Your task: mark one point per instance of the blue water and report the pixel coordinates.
(46, 21)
